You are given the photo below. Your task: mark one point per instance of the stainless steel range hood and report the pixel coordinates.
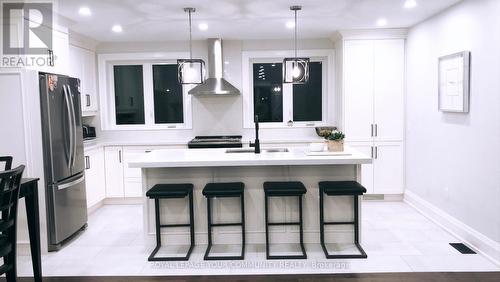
(215, 84)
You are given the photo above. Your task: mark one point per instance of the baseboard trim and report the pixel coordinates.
(23, 248)
(474, 239)
(94, 207)
(383, 197)
(124, 201)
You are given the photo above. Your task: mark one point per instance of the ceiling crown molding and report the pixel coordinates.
(380, 33)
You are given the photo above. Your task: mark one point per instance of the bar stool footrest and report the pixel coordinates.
(282, 223)
(302, 256)
(175, 225)
(339, 223)
(362, 254)
(153, 257)
(227, 224)
(208, 257)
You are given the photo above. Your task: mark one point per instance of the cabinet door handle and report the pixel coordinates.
(50, 59)
(87, 162)
(371, 152)
(371, 127)
(120, 156)
(88, 99)
(376, 130)
(147, 151)
(376, 152)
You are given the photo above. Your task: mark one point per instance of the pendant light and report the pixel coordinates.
(296, 70)
(191, 71)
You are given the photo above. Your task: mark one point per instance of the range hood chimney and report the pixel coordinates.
(215, 84)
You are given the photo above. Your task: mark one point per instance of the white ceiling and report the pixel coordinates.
(164, 20)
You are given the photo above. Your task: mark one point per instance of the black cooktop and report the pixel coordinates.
(217, 141)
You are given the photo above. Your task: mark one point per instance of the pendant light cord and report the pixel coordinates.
(190, 38)
(295, 33)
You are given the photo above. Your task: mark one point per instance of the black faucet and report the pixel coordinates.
(256, 144)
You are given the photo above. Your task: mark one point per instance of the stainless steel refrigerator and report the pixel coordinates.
(63, 157)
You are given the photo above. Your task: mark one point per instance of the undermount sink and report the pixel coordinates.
(251, 150)
(275, 150)
(240, 150)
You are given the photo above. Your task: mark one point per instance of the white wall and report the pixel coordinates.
(214, 115)
(453, 160)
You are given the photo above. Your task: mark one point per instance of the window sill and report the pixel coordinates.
(147, 128)
(284, 126)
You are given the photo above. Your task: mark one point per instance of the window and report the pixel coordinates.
(142, 92)
(287, 105)
(307, 98)
(168, 98)
(268, 92)
(129, 95)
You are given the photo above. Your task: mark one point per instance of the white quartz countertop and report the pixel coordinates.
(218, 157)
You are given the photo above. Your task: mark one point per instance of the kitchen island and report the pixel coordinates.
(201, 166)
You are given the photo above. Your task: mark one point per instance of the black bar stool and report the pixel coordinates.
(284, 189)
(171, 191)
(341, 188)
(224, 190)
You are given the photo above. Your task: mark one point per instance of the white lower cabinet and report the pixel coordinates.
(95, 184)
(133, 188)
(385, 174)
(366, 169)
(388, 168)
(114, 172)
(133, 176)
(121, 180)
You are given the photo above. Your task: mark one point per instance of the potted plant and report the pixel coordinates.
(335, 141)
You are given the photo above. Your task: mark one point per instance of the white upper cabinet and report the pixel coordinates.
(75, 69)
(358, 77)
(60, 54)
(388, 89)
(374, 89)
(82, 66)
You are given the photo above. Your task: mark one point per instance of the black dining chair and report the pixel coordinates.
(8, 162)
(10, 183)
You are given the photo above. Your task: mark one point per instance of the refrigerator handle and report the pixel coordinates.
(72, 183)
(70, 118)
(74, 125)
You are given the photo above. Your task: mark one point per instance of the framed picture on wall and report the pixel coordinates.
(454, 78)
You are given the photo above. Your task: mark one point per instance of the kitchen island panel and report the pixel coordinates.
(226, 210)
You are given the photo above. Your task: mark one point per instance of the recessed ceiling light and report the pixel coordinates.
(410, 4)
(117, 28)
(203, 26)
(290, 24)
(382, 22)
(84, 11)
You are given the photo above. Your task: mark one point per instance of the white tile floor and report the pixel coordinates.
(396, 237)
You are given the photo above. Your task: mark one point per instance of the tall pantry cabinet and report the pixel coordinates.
(373, 81)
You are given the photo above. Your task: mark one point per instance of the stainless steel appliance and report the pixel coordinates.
(63, 157)
(88, 132)
(229, 141)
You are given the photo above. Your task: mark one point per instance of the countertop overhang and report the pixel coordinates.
(219, 158)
